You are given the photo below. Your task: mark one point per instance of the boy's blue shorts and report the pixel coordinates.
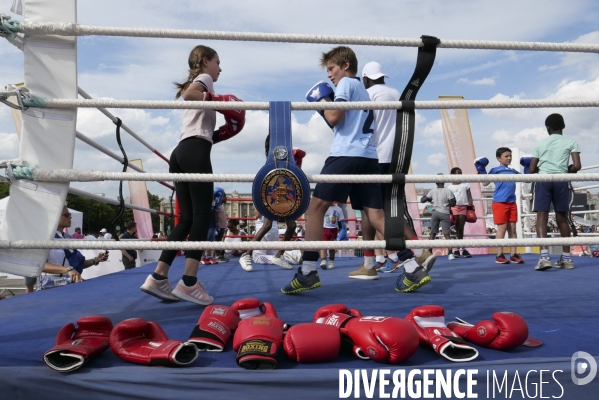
(360, 194)
(546, 193)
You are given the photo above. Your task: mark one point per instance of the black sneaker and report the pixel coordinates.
(301, 282)
(408, 282)
(466, 254)
(456, 254)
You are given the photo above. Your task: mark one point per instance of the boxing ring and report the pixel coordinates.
(557, 305)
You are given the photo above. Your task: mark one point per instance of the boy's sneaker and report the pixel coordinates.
(364, 273)
(331, 264)
(426, 259)
(222, 259)
(389, 267)
(380, 265)
(205, 261)
(194, 294)
(291, 259)
(409, 282)
(159, 288)
(466, 254)
(323, 264)
(543, 264)
(246, 262)
(212, 260)
(450, 257)
(501, 259)
(301, 282)
(563, 263)
(281, 263)
(516, 259)
(456, 254)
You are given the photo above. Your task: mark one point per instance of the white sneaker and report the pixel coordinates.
(194, 294)
(323, 264)
(293, 257)
(331, 264)
(281, 263)
(159, 288)
(246, 262)
(451, 257)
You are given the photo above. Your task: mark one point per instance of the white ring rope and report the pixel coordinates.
(358, 244)
(307, 106)
(71, 175)
(71, 29)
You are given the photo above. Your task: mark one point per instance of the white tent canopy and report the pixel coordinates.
(76, 220)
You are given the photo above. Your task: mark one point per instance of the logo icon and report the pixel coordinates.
(580, 364)
(281, 192)
(280, 153)
(481, 331)
(218, 311)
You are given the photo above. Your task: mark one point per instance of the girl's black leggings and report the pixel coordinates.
(192, 155)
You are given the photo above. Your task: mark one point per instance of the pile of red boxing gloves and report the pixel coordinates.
(258, 335)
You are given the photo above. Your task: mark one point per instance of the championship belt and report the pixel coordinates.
(280, 191)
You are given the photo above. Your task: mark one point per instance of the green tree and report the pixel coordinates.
(4, 187)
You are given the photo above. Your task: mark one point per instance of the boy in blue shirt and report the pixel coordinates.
(505, 210)
(352, 152)
(551, 156)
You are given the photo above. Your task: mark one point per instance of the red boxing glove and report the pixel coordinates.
(383, 339)
(144, 342)
(237, 115)
(214, 328)
(364, 335)
(228, 130)
(72, 351)
(508, 331)
(252, 307)
(310, 342)
(324, 311)
(298, 155)
(429, 322)
(257, 341)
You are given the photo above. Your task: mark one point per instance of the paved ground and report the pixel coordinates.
(11, 287)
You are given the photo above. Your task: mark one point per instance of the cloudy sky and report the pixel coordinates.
(138, 68)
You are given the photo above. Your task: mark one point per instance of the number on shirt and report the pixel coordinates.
(367, 128)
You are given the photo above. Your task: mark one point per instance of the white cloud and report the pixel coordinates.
(525, 140)
(9, 146)
(586, 62)
(436, 160)
(514, 113)
(135, 68)
(432, 133)
(483, 81)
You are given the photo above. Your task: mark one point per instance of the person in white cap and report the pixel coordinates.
(105, 234)
(383, 138)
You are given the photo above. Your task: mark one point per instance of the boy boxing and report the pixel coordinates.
(352, 152)
(505, 210)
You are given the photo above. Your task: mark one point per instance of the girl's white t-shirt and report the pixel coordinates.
(461, 193)
(200, 123)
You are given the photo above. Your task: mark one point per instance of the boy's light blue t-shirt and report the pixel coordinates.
(554, 154)
(353, 135)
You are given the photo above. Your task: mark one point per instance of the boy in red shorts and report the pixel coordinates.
(505, 211)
